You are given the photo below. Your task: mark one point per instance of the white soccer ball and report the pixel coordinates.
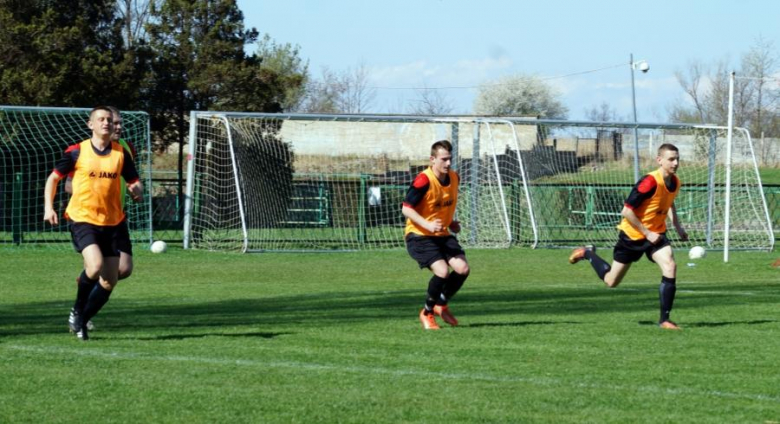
(697, 252)
(159, 246)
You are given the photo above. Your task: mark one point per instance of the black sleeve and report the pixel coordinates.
(416, 191)
(643, 190)
(129, 173)
(67, 162)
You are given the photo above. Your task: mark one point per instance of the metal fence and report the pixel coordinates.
(168, 209)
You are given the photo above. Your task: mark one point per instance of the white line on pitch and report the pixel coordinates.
(386, 371)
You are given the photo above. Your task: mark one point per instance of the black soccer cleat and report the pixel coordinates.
(72, 320)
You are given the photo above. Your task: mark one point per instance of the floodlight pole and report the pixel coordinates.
(636, 131)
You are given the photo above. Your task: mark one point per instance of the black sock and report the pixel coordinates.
(435, 287)
(599, 265)
(666, 295)
(452, 284)
(84, 287)
(97, 299)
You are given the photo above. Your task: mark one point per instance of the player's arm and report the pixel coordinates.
(642, 192)
(678, 225)
(632, 219)
(455, 224)
(130, 174)
(418, 219)
(414, 196)
(49, 214)
(63, 167)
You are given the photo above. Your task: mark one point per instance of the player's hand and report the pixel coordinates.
(136, 192)
(683, 234)
(435, 226)
(50, 216)
(653, 238)
(455, 227)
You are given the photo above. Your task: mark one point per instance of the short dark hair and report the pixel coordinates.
(101, 107)
(441, 144)
(667, 147)
(113, 110)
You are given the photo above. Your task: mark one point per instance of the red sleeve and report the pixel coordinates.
(417, 190)
(642, 191)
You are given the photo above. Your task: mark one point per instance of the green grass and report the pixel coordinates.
(209, 337)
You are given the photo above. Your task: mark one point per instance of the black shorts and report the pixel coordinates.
(627, 251)
(107, 238)
(123, 243)
(427, 250)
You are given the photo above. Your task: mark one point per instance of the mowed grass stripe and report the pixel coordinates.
(416, 373)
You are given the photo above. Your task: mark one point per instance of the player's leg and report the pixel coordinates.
(453, 283)
(125, 265)
(102, 291)
(668, 288)
(611, 275)
(616, 273)
(108, 273)
(85, 239)
(125, 247)
(425, 251)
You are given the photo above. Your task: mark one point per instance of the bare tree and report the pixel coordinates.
(602, 113)
(134, 14)
(356, 94)
(345, 92)
(431, 102)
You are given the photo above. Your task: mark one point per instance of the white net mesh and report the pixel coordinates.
(31, 141)
(317, 182)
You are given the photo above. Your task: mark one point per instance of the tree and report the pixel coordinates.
(200, 63)
(755, 100)
(344, 92)
(64, 53)
(134, 15)
(431, 102)
(603, 113)
(519, 95)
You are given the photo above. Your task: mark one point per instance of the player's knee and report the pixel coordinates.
(124, 273)
(93, 269)
(611, 282)
(463, 269)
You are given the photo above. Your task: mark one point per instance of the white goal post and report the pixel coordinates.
(32, 139)
(308, 182)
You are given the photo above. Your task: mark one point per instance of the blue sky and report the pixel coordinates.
(462, 43)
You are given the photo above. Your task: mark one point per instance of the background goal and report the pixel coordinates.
(32, 139)
(269, 182)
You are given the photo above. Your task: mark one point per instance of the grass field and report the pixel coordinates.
(207, 337)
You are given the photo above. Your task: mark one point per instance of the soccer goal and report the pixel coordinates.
(32, 139)
(271, 182)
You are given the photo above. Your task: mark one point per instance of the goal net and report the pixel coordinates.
(32, 139)
(269, 182)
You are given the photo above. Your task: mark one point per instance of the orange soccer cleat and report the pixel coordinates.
(428, 320)
(444, 312)
(578, 254)
(668, 325)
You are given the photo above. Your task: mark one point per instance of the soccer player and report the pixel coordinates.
(429, 208)
(97, 220)
(125, 247)
(643, 231)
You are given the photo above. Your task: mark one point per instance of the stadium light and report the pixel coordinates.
(643, 66)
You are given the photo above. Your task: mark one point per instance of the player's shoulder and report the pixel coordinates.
(74, 147)
(421, 180)
(647, 183)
